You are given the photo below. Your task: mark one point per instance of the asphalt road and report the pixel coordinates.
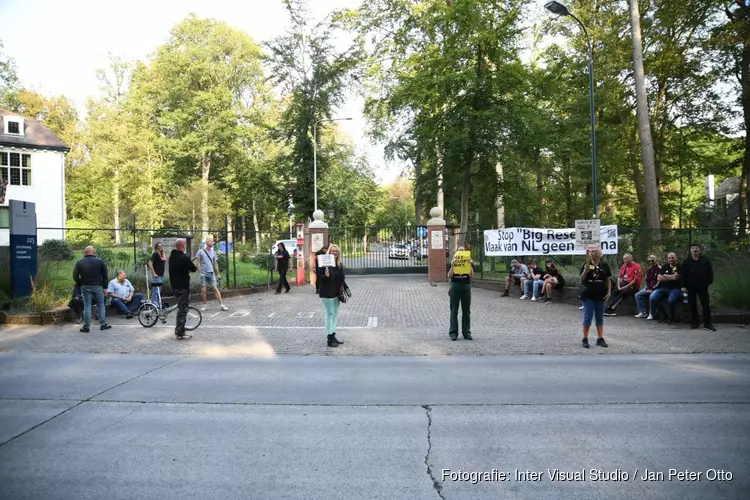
(78, 426)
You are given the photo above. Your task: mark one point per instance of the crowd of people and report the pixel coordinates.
(93, 287)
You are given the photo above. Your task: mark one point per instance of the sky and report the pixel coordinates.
(59, 44)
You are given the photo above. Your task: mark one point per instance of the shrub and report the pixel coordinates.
(56, 250)
(42, 298)
(105, 254)
(262, 261)
(730, 286)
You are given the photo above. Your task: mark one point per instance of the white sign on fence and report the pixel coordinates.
(515, 241)
(588, 232)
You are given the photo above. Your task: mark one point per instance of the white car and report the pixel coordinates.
(398, 251)
(291, 247)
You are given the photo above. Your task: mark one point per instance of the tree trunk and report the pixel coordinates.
(205, 171)
(116, 203)
(257, 229)
(653, 218)
(418, 200)
(637, 177)
(500, 204)
(569, 217)
(244, 230)
(744, 196)
(539, 183)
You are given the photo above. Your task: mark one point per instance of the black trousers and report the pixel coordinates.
(183, 301)
(693, 296)
(282, 280)
(619, 295)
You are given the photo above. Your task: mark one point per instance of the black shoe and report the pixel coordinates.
(453, 336)
(335, 339)
(85, 330)
(585, 342)
(105, 327)
(710, 327)
(288, 290)
(129, 316)
(468, 336)
(277, 293)
(183, 336)
(332, 341)
(694, 326)
(601, 343)
(506, 293)
(547, 300)
(610, 312)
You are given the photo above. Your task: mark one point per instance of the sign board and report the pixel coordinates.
(437, 240)
(462, 262)
(515, 241)
(326, 260)
(168, 243)
(317, 240)
(421, 231)
(588, 232)
(23, 247)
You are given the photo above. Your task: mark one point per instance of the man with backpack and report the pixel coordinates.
(209, 271)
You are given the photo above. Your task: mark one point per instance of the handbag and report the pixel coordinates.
(344, 293)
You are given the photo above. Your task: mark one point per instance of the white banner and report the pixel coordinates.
(515, 241)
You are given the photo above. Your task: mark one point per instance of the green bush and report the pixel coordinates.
(105, 254)
(42, 298)
(262, 261)
(730, 285)
(55, 250)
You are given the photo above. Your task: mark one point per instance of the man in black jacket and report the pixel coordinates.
(90, 273)
(180, 267)
(697, 275)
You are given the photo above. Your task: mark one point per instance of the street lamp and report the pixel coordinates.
(315, 152)
(561, 10)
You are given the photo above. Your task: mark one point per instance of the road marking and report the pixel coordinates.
(242, 327)
(272, 315)
(211, 315)
(372, 322)
(234, 314)
(305, 315)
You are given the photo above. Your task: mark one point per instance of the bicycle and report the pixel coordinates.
(149, 313)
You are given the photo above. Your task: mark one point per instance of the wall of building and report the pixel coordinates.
(47, 192)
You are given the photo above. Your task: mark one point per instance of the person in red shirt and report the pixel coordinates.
(628, 283)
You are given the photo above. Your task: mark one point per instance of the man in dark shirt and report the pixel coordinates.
(697, 276)
(180, 267)
(460, 294)
(90, 273)
(668, 286)
(642, 296)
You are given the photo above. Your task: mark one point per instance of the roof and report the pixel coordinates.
(727, 187)
(35, 135)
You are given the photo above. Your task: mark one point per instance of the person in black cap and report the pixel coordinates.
(697, 275)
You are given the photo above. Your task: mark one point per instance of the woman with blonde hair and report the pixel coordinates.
(329, 283)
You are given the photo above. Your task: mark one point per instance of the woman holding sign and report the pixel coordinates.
(330, 274)
(595, 277)
(460, 275)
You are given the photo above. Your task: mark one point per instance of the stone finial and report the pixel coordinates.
(318, 220)
(436, 217)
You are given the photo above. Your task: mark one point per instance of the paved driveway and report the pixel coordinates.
(388, 316)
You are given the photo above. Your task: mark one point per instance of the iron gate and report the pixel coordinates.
(382, 250)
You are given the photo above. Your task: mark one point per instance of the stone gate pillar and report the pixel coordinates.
(436, 258)
(318, 231)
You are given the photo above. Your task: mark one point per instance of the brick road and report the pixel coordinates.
(388, 316)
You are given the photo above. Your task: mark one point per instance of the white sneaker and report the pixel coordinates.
(650, 316)
(534, 299)
(580, 308)
(641, 315)
(224, 308)
(204, 308)
(524, 297)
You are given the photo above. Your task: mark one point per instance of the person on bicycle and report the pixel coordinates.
(180, 267)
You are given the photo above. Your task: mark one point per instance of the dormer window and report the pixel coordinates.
(14, 126)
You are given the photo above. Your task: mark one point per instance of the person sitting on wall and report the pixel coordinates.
(642, 297)
(533, 285)
(518, 274)
(668, 287)
(123, 295)
(628, 283)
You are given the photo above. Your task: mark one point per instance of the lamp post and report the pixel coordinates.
(315, 153)
(561, 10)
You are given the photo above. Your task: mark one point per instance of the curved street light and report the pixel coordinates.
(561, 10)
(315, 153)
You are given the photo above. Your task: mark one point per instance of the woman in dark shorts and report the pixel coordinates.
(553, 280)
(157, 264)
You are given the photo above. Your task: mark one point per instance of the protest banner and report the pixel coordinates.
(462, 262)
(515, 241)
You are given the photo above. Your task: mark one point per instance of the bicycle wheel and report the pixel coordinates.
(193, 319)
(148, 315)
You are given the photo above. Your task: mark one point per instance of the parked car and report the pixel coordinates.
(398, 251)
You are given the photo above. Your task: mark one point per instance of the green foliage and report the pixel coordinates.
(105, 254)
(43, 297)
(55, 250)
(262, 261)
(730, 286)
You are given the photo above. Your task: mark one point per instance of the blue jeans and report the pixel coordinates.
(129, 307)
(593, 308)
(156, 296)
(672, 295)
(640, 299)
(89, 292)
(332, 314)
(527, 285)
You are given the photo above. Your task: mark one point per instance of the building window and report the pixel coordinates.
(14, 128)
(15, 168)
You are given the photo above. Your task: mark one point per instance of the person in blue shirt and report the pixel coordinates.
(123, 295)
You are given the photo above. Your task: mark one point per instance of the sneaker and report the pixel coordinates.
(710, 327)
(547, 300)
(204, 308)
(105, 327)
(585, 342)
(534, 299)
(580, 308)
(224, 308)
(85, 330)
(650, 317)
(601, 343)
(641, 315)
(524, 297)
(183, 336)
(610, 313)
(505, 294)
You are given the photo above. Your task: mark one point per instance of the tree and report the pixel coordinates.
(8, 73)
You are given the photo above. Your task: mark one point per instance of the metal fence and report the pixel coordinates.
(371, 249)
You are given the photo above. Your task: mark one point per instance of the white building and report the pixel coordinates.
(32, 161)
